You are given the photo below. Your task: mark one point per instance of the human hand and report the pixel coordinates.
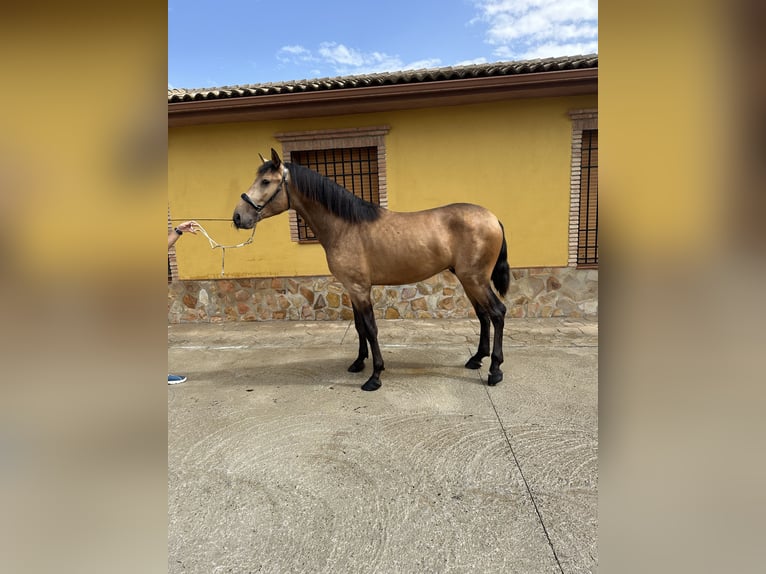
(189, 226)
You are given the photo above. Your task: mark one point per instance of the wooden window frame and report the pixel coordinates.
(332, 139)
(582, 119)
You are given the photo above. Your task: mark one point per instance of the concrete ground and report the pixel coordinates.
(278, 462)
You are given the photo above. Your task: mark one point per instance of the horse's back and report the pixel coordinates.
(446, 217)
(468, 215)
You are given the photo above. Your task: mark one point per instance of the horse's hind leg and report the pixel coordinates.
(497, 315)
(488, 309)
(483, 351)
(358, 365)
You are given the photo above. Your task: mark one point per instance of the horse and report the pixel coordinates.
(366, 244)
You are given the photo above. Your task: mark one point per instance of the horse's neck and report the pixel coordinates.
(324, 224)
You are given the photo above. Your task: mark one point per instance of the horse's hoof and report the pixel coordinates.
(473, 363)
(494, 378)
(372, 384)
(357, 366)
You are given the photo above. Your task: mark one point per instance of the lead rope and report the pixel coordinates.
(215, 245)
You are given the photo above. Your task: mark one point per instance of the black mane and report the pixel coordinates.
(337, 199)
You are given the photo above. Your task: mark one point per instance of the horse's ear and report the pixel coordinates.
(275, 158)
(263, 159)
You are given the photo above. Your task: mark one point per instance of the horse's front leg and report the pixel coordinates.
(362, 303)
(368, 317)
(358, 365)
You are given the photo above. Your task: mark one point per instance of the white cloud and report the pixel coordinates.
(340, 55)
(546, 50)
(344, 60)
(423, 64)
(471, 62)
(294, 54)
(297, 50)
(348, 61)
(539, 28)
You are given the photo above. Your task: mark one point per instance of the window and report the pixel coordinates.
(587, 239)
(354, 158)
(354, 168)
(583, 211)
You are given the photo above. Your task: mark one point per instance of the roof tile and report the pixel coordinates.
(388, 78)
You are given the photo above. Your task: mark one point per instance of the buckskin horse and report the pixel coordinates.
(367, 245)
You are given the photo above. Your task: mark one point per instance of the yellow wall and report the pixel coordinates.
(511, 157)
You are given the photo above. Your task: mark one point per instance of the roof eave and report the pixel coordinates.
(383, 98)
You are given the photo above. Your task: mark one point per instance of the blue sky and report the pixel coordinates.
(214, 43)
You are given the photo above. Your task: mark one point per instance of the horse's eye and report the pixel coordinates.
(265, 182)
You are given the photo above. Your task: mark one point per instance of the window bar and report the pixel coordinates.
(585, 228)
(370, 187)
(587, 200)
(595, 244)
(343, 171)
(591, 227)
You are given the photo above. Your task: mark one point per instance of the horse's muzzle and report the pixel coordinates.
(243, 221)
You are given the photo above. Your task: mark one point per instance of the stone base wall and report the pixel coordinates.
(535, 292)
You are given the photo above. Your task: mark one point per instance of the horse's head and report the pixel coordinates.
(267, 196)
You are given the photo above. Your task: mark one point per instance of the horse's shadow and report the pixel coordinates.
(304, 372)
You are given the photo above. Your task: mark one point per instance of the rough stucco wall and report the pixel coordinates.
(512, 157)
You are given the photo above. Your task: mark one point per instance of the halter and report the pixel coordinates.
(258, 208)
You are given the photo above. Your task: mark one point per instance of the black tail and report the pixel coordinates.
(501, 274)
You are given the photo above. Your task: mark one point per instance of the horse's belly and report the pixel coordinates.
(400, 268)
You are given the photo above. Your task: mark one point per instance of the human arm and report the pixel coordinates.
(176, 232)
